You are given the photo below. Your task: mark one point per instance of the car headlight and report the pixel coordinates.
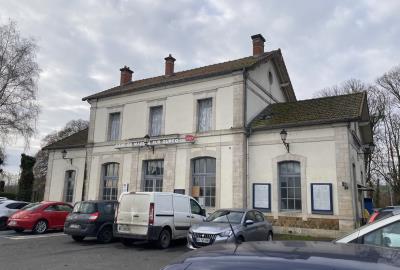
(226, 233)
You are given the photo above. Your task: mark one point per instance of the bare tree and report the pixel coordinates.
(390, 82)
(19, 73)
(42, 156)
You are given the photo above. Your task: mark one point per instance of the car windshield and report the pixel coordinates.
(31, 206)
(221, 217)
(85, 208)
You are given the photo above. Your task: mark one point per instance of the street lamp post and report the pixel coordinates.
(283, 138)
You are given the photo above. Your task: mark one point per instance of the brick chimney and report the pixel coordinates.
(126, 75)
(258, 44)
(169, 65)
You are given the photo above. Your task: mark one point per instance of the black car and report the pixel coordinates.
(288, 255)
(91, 219)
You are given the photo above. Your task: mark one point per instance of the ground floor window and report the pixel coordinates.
(110, 181)
(69, 185)
(289, 185)
(153, 175)
(203, 181)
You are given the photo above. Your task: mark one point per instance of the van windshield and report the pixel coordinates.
(85, 208)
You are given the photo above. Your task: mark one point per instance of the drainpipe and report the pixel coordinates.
(246, 134)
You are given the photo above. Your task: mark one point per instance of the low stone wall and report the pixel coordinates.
(310, 223)
(312, 226)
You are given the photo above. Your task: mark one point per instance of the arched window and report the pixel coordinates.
(203, 181)
(290, 185)
(69, 184)
(110, 181)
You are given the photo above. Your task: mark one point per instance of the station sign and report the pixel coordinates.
(155, 142)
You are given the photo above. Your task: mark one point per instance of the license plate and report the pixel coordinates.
(12, 223)
(123, 228)
(74, 226)
(203, 240)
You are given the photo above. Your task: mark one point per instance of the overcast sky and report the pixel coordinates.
(84, 43)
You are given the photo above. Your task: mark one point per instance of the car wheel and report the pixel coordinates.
(78, 238)
(270, 236)
(240, 240)
(19, 230)
(3, 223)
(164, 240)
(127, 242)
(105, 235)
(40, 227)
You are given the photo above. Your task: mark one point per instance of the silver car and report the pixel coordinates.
(247, 225)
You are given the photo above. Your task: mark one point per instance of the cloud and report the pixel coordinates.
(84, 43)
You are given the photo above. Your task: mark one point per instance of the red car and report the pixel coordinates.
(40, 217)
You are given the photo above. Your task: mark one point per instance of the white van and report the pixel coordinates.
(155, 216)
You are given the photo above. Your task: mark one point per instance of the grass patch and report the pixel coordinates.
(284, 237)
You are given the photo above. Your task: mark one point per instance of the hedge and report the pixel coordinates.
(8, 195)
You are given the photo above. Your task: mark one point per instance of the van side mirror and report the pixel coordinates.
(248, 222)
(203, 212)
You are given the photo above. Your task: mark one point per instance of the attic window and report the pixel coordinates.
(270, 77)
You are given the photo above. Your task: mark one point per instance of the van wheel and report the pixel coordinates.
(105, 235)
(127, 242)
(164, 240)
(78, 238)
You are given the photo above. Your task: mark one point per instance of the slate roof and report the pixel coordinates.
(76, 140)
(333, 109)
(203, 72)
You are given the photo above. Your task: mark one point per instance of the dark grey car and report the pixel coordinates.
(247, 225)
(288, 255)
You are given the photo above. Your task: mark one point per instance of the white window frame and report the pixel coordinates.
(204, 95)
(108, 130)
(151, 120)
(151, 104)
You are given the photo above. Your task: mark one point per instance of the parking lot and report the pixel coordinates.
(55, 250)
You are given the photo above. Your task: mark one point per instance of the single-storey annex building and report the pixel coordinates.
(231, 134)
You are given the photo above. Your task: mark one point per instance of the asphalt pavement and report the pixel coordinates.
(55, 250)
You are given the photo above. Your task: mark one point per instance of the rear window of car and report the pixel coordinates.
(85, 208)
(32, 206)
(15, 205)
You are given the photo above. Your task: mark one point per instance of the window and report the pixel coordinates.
(113, 126)
(153, 175)
(250, 216)
(64, 208)
(51, 208)
(155, 121)
(204, 181)
(388, 236)
(204, 122)
(15, 205)
(259, 216)
(109, 208)
(290, 185)
(69, 185)
(110, 181)
(195, 207)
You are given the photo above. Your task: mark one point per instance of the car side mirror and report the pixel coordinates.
(248, 222)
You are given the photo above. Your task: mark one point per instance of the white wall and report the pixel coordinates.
(180, 103)
(259, 98)
(58, 168)
(314, 146)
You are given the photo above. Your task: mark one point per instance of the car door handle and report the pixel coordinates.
(135, 215)
(188, 216)
(192, 216)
